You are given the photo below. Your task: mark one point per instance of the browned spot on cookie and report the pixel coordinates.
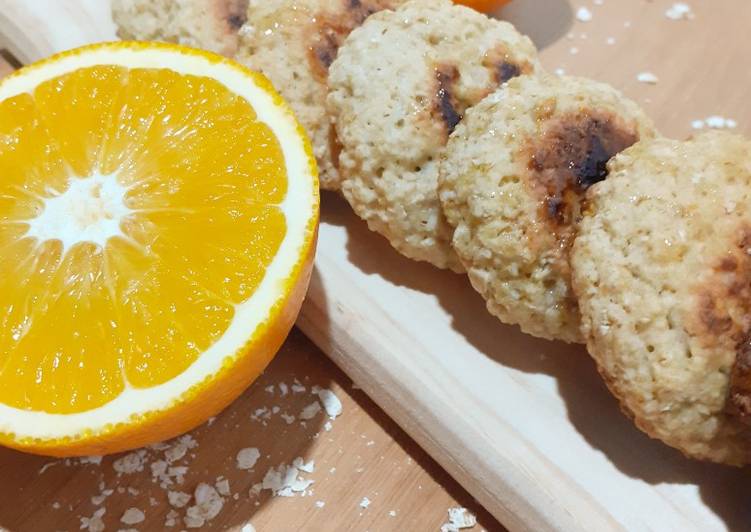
(713, 315)
(739, 398)
(722, 315)
(446, 105)
(728, 264)
(331, 28)
(233, 12)
(570, 155)
(226, 17)
(504, 66)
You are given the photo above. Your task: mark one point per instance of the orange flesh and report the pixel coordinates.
(75, 329)
(485, 6)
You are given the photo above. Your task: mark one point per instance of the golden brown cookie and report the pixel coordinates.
(399, 87)
(293, 42)
(515, 173)
(662, 269)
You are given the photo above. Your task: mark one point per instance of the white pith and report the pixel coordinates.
(89, 211)
(298, 207)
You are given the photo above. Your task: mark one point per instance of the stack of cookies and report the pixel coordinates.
(572, 217)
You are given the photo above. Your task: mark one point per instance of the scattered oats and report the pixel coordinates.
(288, 418)
(171, 518)
(370, 443)
(459, 519)
(328, 426)
(365, 502)
(247, 458)
(283, 389)
(320, 504)
(178, 499)
(261, 413)
(275, 410)
(180, 448)
(94, 523)
(392, 513)
(159, 446)
(583, 14)
(297, 387)
(679, 11)
(331, 403)
(270, 388)
(647, 77)
(248, 528)
(210, 421)
(133, 516)
(715, 122)
(130, 463)
(55, 505)
(46, 466)
(300, 464)
(310, 411)
(153, 502)
(95, 460)
(573, 50)
(222, 486)
(610, 41)
(132, 492)
(97, 500)
(159, 468)
(208, 505)
(284, 480)
(332, 470)
(178, 473)
(127, 530)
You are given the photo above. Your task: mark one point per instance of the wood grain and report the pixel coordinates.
(527, 425)
(363, 455)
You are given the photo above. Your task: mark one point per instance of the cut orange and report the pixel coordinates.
(485, 6)
(158, 215)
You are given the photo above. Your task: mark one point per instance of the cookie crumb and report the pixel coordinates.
(247, 458)
(459, 519)
(331, 403)
(133, 516)
(365, 502)
(170, 519)
(679, 11)
(178, 499)
(647, 77)
(94, 523)
(583, 14)
(208, 504)
(310, 411)
(714, 122)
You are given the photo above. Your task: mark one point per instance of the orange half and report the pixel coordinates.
(158, 214)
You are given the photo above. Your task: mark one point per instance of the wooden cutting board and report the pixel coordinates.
(525, 425)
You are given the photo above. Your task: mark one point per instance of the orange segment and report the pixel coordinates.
(156, 235)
